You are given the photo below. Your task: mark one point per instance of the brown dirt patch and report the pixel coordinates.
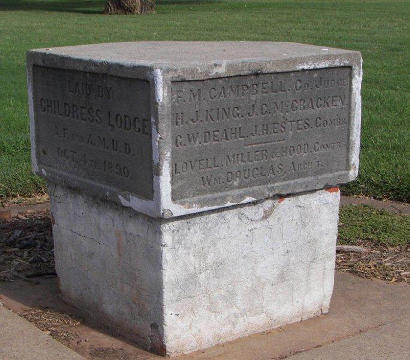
(105, 353)
(26, 247)
(58, 325)
(377, 261)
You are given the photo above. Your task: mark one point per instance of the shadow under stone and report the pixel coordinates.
(84, 7)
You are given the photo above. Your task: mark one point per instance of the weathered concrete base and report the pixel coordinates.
(184, 284)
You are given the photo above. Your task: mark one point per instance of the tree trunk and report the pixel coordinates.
(125, 7)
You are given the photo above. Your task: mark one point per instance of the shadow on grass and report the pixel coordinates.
(79, 6)
(186, 2)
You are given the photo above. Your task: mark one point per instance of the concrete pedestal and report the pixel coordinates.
(182, 284)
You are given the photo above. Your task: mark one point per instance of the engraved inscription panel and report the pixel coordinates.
(95, 127)
(245, 131)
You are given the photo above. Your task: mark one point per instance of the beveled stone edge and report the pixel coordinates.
(160, 78)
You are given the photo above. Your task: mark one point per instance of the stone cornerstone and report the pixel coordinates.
(194, 184)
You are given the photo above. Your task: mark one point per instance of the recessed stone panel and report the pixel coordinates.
(247, 131)
(95, 127)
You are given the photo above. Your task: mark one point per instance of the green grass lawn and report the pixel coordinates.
(364, 223)
(379, 29)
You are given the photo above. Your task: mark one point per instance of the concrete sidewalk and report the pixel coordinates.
(368, 320)
(20, 340)
(386, 342)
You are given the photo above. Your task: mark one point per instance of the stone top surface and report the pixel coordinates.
(176, 128)
(176, 53)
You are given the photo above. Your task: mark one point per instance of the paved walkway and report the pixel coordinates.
(20, 340)
(386, 342)
(368, 320)
(395, 207)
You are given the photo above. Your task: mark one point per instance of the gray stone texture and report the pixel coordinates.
(104, 120)
(183, 284)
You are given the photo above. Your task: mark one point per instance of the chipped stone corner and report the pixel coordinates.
(219, 68)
